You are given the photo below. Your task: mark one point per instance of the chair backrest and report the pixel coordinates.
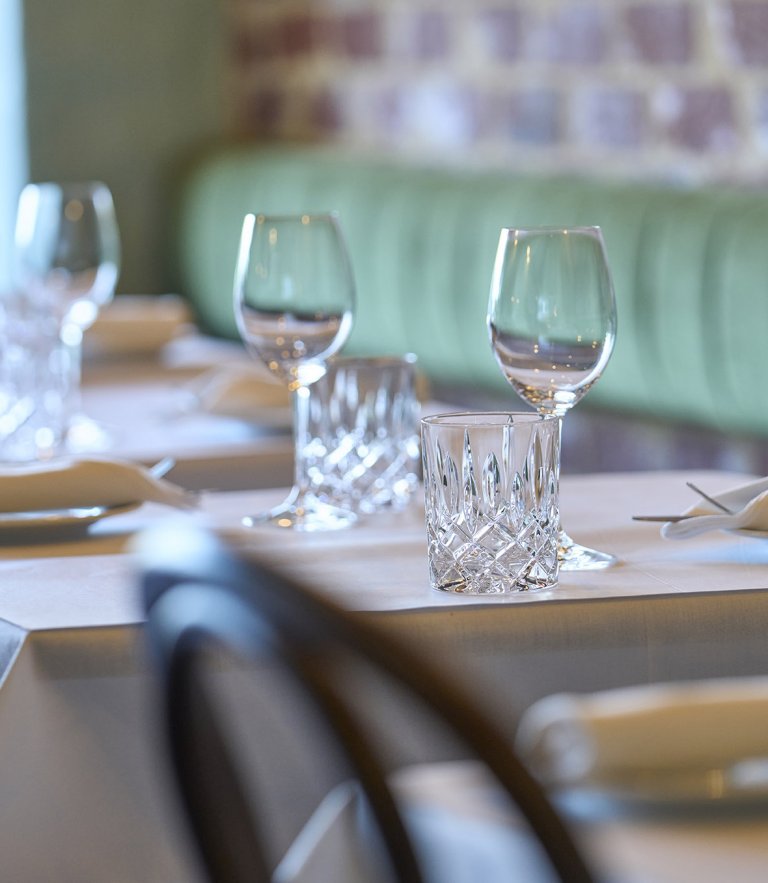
(201, 594)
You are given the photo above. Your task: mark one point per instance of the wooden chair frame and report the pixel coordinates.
(200, 594)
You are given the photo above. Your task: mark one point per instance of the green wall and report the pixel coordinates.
(122, 91)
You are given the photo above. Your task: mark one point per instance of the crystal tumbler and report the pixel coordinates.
(362, 446)
(491, 489)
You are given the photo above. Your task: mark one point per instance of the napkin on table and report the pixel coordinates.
(607, 736)
(239, 391)
(136, 325)
(747, 502)
(83, 483)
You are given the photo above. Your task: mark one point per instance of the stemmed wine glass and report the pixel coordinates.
(552, 323)
(67, 249)
(294, 297)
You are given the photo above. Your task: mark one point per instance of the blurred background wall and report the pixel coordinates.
(124, 90)
(671, 88)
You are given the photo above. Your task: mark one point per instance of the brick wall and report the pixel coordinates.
(672, 89)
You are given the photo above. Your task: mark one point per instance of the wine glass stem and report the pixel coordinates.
(72, 347)
(300, 400)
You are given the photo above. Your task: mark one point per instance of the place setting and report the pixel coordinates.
(653, 750)
(741, 510)
(62, 498)
(59, 474)
(355, 419)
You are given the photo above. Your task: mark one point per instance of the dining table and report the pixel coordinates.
(145, 407)
(87, 794)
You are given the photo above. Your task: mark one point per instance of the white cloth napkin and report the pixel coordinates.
(609, 736)
(747, 502)
(136, 325)
(84, 483)
(245, 392)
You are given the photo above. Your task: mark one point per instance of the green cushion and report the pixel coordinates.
(689, 266)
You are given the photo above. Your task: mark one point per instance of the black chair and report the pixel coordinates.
(199, 595)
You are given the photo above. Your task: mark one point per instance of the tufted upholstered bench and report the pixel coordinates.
(690, 269)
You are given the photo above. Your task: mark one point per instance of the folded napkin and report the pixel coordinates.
(610, 736)
(135, 325)
(747, 502)
(84, 483)
(244, 392)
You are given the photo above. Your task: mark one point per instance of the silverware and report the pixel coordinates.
(162, 467)
(675, 518)
(709, 499)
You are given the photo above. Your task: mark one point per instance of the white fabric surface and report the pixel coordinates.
(748, 504)
(76, 692)
(243, 392)
(614, 735)
(136, 325)
(75, 482)
(142, 407)
(466, 833)
(600, 505)
(380, 565)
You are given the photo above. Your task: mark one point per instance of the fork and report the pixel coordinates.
(675, 518)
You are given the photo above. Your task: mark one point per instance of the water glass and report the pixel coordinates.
(491, 488)
(361, 449)
(35, 386)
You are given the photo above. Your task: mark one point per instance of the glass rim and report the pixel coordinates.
(593, 229)
(462, 419)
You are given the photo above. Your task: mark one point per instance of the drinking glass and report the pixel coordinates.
(67, 249)
(294, 297)
(552, 324)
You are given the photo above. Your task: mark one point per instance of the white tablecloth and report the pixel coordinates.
(79, 766)
(142, 405)
(465, 831)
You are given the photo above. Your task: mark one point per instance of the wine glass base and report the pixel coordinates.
(573, 556)
(303, 513)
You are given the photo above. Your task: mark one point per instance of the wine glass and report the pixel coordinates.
(294, 296)
(67, 248)
(552, 324)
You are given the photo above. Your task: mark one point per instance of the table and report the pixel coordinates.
(460, 824)
(140, 402)
(76, 698)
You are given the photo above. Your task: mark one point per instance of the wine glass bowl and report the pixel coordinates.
(67, 249)
(294, 299)
(552, 326)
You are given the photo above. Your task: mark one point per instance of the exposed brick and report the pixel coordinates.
(326, 111)
(385, 110)
(434, 113)
(500, 32)
(746, 30)
(698, 119)
(253, 44)
(477, 76)
(430, 34)
(264, 111)
(297, 34)
(574, 33)
(660, 33)
(609, 117)
(361, 35)
(530, 117)
(761, 119)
